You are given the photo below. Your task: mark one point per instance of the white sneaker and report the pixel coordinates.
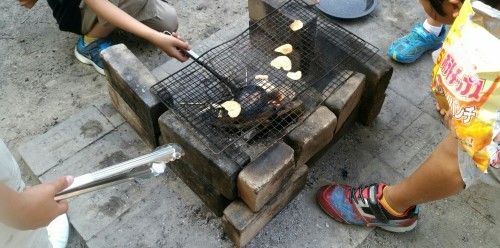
(58, 231)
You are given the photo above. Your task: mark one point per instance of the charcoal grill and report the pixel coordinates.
(324, 52)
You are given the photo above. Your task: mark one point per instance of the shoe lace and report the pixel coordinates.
(357, 193)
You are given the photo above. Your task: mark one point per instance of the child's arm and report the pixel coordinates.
(117, 17)
(33, 208)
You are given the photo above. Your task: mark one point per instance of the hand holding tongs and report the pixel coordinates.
(123, 172)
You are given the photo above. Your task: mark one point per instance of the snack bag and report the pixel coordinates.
(466, 81)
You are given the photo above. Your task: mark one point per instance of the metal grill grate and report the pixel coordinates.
(324, 52)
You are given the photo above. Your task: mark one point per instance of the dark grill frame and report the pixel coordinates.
(326, 53)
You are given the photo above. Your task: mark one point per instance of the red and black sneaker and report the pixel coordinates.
(361, 206)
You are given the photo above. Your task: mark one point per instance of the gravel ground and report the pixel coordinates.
(43, 84)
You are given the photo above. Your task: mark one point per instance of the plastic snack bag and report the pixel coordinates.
(466, 81)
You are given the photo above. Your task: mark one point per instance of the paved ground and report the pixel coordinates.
(43, 87)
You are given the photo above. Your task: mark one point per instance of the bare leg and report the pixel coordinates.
(100, 31)
(438, 177)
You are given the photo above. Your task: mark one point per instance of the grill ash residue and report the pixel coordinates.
(112, 206)
(91, 129)
(113, 158)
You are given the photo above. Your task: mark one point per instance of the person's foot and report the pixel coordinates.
(361, 206)
(89, 54)
(58, 231)
(411, 47)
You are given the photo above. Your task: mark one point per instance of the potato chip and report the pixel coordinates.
(294, 75)
(296, 25)
(284, 49)
(261, 77)
(282, 62)
(233, 108)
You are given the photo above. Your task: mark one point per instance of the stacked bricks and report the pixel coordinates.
(247, 197)
(129, 82)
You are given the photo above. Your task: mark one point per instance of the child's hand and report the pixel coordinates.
(37, 208)
(27, 3)
(172, 46)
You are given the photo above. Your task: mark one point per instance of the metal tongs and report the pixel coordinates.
(146, 166)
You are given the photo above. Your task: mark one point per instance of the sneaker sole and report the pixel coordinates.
(399, 229)
(87, 61)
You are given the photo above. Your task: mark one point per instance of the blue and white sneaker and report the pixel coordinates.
(411, 47)
(89, 54)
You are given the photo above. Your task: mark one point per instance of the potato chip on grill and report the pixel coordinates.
(233, 108)
(284, 49)
(296, 25)
(294, 75)
(261, 77)
(282, 62)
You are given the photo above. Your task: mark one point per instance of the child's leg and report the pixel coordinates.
(100, 31)
(438, 177)
(394, 208)
(166, 18)
(157, 14)
(423, 37)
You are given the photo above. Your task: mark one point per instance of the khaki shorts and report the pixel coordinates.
(156, 14)
(471, 174)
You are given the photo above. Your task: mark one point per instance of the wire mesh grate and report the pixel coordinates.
(325, 53)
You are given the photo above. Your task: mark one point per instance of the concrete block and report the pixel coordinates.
(378, 74)
(242, 225)
(258, 9)
(260, 180)
(65, 139)
(312, 135)
(217, 169)
(344, 100)
(131, 81)
(214, 200)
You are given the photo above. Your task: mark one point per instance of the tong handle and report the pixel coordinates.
(155, 170)
(196, 57)
(165, 153)
(189, 53)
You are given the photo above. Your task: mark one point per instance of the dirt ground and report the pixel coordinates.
(41, 82)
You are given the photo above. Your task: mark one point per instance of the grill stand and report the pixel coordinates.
(217, 180)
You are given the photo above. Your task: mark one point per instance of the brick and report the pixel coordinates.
(344, 100)
(312, 135)
(242, 225)
(131, 81)
(214, 200)
(260, 180)
(217, 169)
(378, 74)
(258, 9)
